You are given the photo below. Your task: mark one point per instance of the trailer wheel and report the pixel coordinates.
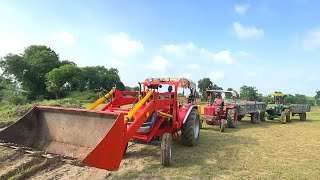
(230, 118)
(190, 130)
(262, 117)
(166, 149)
(255, 119)
(303, 116)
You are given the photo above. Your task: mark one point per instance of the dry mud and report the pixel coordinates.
(15, 164)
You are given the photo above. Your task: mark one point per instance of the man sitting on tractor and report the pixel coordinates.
(218, 100)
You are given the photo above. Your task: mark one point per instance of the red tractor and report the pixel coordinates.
(221, 111)
(99, 138)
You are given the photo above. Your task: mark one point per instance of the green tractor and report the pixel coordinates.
(278, 109)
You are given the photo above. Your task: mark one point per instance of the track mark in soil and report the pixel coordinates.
(19, 167)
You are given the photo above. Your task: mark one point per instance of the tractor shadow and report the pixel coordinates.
(214, 149)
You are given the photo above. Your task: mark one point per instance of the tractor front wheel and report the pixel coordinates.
(239, 117)
(303, 116)
(231, 117)
(283, 118)
(190, 130)
(166, 149)
(289, 116)
(222, 125)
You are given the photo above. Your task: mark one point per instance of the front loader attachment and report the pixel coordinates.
(94, 137)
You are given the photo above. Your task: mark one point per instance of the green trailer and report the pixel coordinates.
(280, 110)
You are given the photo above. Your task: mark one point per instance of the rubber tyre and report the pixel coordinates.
(303, 116)
(255, 118)
(125, 150)
(262, 117)
(288, 117)
(283, 118)
(230, 118)
(190, 130)
(239, 117)
(166, 149)
(222, 125)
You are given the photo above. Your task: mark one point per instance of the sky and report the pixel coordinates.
(271, 45)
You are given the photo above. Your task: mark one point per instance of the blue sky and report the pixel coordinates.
(272, 45)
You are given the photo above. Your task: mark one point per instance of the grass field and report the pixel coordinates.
(268, 150)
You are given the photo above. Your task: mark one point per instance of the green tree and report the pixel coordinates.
(206, 84)
(248, 93)
(203, 85)
(30, 68)
(301, 99)
(99, 77)
(310, 100)
(64, 78)
(317, 97)
(229, 95)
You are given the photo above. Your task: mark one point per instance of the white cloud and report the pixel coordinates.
(224, 56)
(179, 49)
(241, 9)
(193, 66)
(251, 74)
(159, 63)
(221, 56)
(186, 75)
(115, 62)
(122, 45)
(216, 75)
(311, 41)
(65, 37)
(244, 53)
(250, 32)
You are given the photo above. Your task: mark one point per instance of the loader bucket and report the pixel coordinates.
(94, 137)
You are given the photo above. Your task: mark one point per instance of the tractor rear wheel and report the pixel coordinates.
(190, 130)
(230, 118)
(255, 119)
(166, 149)
(303, 116)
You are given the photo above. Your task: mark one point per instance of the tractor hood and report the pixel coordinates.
(272, 106)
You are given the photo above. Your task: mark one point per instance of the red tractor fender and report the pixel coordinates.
(184, 112)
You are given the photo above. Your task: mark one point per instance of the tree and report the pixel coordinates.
(310, 100)
(63, 78)
(301, 99)
(317, 97)
(229, 95)
(30, 68)
(203, 85)
(99, 77)
(206, 83)
(248, 93)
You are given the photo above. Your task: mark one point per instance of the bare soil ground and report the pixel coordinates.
(269, 150)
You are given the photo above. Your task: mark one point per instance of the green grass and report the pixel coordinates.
(269, 150)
